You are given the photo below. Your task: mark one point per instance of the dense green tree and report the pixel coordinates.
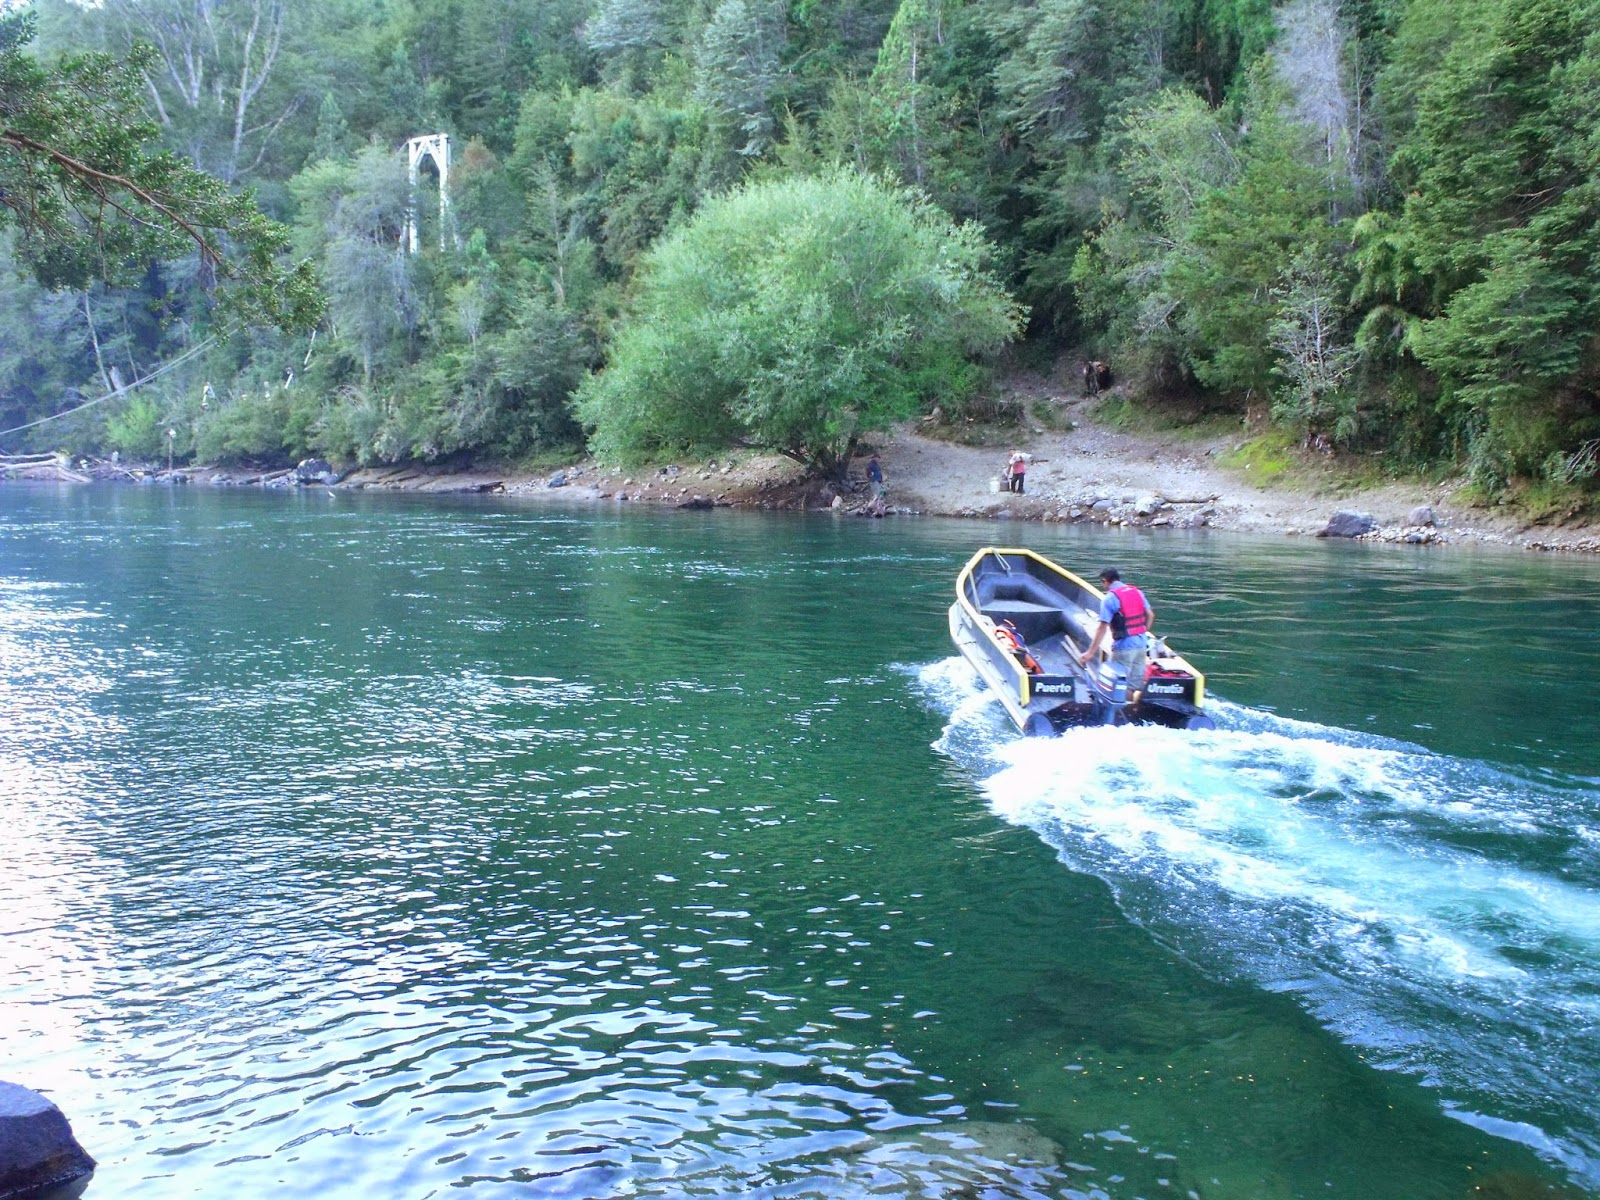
(797, 316)
(1059, 73)
(333, 131)
(1228, 37)
(1240, 243)
(478, 58)
(909, 107)
(1062, 70)
(562, 259)
(78, 181)
(1194, 272)
(1488, 268)
(633, 166)
(44, 345)
(352, 216)
(833, 41)
(1176, 154)
(736, 72)
(406, 107)
(539, 360)
(484, 196)
(629, 37)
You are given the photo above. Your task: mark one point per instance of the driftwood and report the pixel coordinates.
(81, 470)
(395, 475)
(105, 468)
(39, 466)
(60, 472)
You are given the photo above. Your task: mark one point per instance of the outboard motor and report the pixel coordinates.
(1112, 685)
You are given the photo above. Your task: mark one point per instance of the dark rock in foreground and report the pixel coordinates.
(39, 1157)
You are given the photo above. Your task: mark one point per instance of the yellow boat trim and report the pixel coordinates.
(1022, 678)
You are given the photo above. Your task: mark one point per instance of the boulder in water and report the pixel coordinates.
(315, 470)
(1347, 523)
(39, 1157)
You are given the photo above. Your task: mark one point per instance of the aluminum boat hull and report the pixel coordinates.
(1056, 613)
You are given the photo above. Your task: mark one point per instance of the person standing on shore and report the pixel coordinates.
(1017, 470)
(876, 486)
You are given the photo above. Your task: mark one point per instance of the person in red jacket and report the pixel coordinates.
(1125, 618)
(1017, 470)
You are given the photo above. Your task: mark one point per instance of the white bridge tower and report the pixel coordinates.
(437, 147)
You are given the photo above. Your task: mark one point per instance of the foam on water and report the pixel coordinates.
(1442, 915)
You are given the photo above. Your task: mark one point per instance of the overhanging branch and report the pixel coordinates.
(104, 185)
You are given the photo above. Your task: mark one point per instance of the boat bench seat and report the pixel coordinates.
(1035, 622)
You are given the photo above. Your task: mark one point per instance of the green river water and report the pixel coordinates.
(375, 846)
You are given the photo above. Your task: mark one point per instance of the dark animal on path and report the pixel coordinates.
(1096, 376)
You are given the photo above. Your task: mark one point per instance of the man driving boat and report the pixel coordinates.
(1125, 617)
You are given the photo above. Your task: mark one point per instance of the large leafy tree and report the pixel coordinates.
(42, 341)
(1192, 275)
(352, 215)
(212, 82)
(90, 200)
(736, 73)
(796, 316)
(1487, 270)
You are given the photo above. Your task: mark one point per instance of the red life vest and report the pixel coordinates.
(1132, 616)
(1012, 641)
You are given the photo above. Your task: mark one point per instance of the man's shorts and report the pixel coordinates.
(1133, 661)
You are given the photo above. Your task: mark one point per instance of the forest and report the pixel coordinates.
(670, 224)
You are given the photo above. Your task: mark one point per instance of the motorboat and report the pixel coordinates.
(1023, 623)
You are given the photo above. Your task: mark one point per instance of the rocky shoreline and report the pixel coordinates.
(1091, 476)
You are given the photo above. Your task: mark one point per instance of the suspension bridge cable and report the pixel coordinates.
(137, 383)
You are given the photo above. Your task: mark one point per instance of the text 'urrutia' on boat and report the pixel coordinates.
(1023, 623)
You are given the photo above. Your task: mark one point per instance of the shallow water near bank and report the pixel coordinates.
(379, 845)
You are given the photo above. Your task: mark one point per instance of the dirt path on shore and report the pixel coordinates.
(1089, 472)
(1096, 473)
